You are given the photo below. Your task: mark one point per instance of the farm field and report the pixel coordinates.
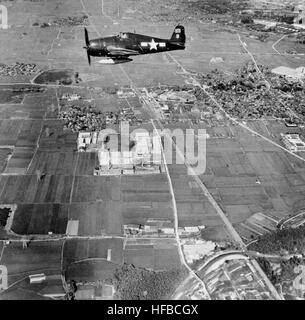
(100, 204)
(38, 257)
(91, 271)
(245, 175)
(80, 250)
(40, 219)
(152, 254)
(26, 189)
(4, 153)
(248, 176)
(157, 255)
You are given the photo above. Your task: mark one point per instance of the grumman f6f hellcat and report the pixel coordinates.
(118, 49)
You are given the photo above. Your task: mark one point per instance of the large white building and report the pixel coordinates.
(297, 73)
(141, 151)
(146, 153)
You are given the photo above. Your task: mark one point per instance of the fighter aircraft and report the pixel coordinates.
(118, 49)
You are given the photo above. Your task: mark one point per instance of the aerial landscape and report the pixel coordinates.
(152, 150)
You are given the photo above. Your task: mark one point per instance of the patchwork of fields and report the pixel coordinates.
(248, 177)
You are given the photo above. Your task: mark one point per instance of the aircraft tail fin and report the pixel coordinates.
(178, 35)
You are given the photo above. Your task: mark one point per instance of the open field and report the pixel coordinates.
(21, 293)
(40, 219)
(245, 175)
(97, 203)
(91, 271)
(38, 257)
(152, 254)
(79, 250)
(98, 218)
(53, 162)
(87, 260)
(26, 189)
(4, 153)
(255, 177)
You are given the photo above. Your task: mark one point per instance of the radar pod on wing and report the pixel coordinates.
(119, 48)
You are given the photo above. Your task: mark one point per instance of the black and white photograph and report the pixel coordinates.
(152, 150)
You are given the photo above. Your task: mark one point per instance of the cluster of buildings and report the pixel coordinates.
(292, 11)
(18, 69)
(173, 105)
(140, 153)
(131, 112)
(126, 92)
(71, 97)
(144, 156)
(234, 278)
(160, 228)
(293, 142)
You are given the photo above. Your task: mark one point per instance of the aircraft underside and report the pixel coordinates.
(114, 60)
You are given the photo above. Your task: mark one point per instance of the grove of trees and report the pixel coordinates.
(141, 284)
(292, 240)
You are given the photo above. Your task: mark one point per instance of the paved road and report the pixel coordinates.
(276, 42)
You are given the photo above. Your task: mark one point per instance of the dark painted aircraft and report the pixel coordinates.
(118, 49)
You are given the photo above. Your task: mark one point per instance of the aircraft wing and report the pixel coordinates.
(116, 51)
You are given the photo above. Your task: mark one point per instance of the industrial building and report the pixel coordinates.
(87, 141)
(137, 153)
(297, 73)
(293, 142)
(144, 156)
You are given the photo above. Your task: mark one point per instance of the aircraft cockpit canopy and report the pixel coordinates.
(122, 35)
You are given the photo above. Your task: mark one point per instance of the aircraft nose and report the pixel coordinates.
(93, 44)
(94, 47)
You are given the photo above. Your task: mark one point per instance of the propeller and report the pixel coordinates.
(87, 47)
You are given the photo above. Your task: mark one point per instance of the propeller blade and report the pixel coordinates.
(87, 45)
(87, 38)
(89, 58)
